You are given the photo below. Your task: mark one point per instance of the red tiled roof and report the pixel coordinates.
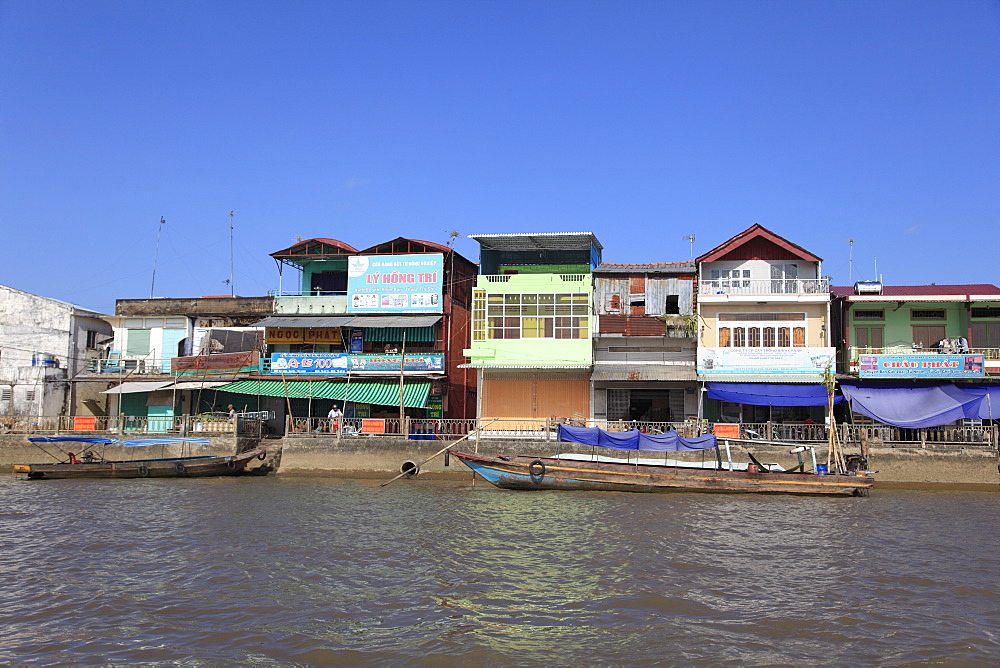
(924, 290)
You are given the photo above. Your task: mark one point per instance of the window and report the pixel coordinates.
(728, 277)
(530, 316)
(29, 395)
(927, 314)
(762, 330)
(868, 337)
(91, 339)
(927, 337)
(989, 312)
(870, 315)
(673, 305)
(5, 394)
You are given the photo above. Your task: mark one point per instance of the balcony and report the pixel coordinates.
(534, 278)
(747, 287)
(310, 303)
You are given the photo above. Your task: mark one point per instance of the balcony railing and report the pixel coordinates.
(854, 352)
(794, 286)
(506, 278)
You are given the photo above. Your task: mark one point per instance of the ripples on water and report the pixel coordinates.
(322, 571)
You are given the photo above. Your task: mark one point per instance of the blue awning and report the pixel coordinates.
(766, 394)
(919, 406)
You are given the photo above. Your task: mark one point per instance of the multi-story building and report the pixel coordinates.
(372, 330)
(920, 355)
(44, 346)
(764, 338)
(532, 322)
(645, 343)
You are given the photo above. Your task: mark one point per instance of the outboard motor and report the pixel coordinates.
(856, 463)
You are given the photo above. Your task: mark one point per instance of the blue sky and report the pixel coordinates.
(640, 121)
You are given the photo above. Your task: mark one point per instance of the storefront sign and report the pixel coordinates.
(751, 361)
(395, 283)
(320, 335)
(221, 363)
(357, 340)
(336, 364)
(373, 426)
(921, 366)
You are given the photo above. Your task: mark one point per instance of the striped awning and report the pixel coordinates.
(380, 393)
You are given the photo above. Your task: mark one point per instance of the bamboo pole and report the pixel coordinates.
(433, 456)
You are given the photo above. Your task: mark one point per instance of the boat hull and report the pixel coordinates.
(178, 467)
(539, 473)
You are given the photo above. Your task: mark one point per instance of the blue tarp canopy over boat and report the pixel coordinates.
(634, 440)
(770, 394)
(108, 441)
(916, 407)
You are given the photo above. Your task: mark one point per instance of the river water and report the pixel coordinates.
(314, 571)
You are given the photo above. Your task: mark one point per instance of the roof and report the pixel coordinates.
(318, 247)
(538, 241)
(643, 372)
(647, 268)
(429, 246)
(757, 232)
(964, 291)
(350, 321)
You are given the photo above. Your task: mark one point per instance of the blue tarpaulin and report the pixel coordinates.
(916, 407)
(634, 440)
(768, 394)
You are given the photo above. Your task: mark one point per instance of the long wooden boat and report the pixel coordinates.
(95, 466)
(540, 473)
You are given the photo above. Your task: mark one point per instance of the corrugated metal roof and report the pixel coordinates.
(350, 321)
(381, 393)
(137, 386)
(637, 372)
(648, 268)
(538, 241)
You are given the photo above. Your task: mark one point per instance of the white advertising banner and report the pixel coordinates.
(751, 361)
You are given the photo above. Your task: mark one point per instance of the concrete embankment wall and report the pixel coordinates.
(952, 467)
(970, 468)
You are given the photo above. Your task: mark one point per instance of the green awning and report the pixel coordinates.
(380, 393)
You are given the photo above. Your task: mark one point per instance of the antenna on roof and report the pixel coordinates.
(232, 285)
(156, 254)
(690, 238)
(850, 263)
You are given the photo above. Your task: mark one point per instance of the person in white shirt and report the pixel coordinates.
(334, 415)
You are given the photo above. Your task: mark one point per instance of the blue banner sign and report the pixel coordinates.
(921, 366)
(395, 283)
(337, 364)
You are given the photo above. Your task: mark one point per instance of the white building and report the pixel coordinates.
(44, 344)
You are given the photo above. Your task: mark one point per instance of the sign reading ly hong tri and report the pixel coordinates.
(395, 283)
(921, 366)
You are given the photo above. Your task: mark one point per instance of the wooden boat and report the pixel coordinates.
(527, 472)
(93, 465)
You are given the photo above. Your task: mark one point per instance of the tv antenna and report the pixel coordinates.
(156, 255)
(232, 285)
(850, 263)
(690, 238)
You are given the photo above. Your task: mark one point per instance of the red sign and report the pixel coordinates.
(373, 426)
(84, 423)
(725, 430)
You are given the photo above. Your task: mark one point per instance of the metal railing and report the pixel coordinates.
(743, 286)
(132, 365)
(855, 352)
(120, 424)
